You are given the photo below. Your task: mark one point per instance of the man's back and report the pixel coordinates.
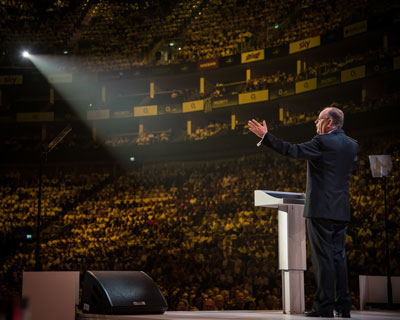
(329, 175)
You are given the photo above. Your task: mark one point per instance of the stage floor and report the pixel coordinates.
(236, 315)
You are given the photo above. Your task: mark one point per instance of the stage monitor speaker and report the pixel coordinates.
(121, 292)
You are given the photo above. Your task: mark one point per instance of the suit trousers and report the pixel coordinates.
(327, 240)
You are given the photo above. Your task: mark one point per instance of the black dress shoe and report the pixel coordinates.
(319, 313)
(342, 314)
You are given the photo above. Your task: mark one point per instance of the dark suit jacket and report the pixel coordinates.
(330, 160)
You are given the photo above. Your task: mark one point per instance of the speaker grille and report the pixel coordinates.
(121, 292)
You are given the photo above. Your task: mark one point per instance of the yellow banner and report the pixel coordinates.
(191, 106)
(255, 96)
(396, 63)
(253, 56)
(355, 28)
(304, 44)
(306, 85)
(11, 79)
(353, 74)
(98, 114)
(145, 111)
(35, 116)
(122, 114)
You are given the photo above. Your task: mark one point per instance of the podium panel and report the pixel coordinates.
(291, 243)
(291, 281)
(291, 238)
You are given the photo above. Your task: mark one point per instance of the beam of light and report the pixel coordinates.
(79, 89)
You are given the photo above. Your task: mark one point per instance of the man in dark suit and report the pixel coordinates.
(331, 157)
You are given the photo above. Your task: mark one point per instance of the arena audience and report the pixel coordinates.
(161, 216)
(118, 35)
(33, 142)
(195, 214)
(209, 131)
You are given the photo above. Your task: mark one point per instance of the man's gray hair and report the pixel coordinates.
(337, 117)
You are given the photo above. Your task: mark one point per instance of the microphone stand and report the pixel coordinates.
(388, 269)
(43, 158)
(381, 165)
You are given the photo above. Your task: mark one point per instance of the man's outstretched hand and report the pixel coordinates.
(257, 128)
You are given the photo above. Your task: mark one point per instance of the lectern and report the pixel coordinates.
(291, 242)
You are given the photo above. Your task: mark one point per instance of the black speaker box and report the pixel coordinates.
(121, 292)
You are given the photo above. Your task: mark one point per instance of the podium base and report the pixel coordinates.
(293, 291)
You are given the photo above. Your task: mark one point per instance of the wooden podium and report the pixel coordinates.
(291, 242)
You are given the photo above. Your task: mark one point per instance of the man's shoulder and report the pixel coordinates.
(337, 133)
(354, 140)
(336, 136)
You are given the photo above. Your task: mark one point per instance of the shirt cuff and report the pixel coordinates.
(259, 143)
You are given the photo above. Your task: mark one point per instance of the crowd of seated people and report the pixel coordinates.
(313, 19)
(139, 139)
(213, 29)
(290, 118)
(56, 194)
(200, 215)
(138, 26)
(230, 27)
(153, 137)
(119, 140)
(210, 130)
(293, 117)
(119, 35)
(194, 214)
(82, 140)
(310, 71)
(349, 107)
(45, 28)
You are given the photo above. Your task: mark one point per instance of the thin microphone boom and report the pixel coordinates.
(58, 139)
